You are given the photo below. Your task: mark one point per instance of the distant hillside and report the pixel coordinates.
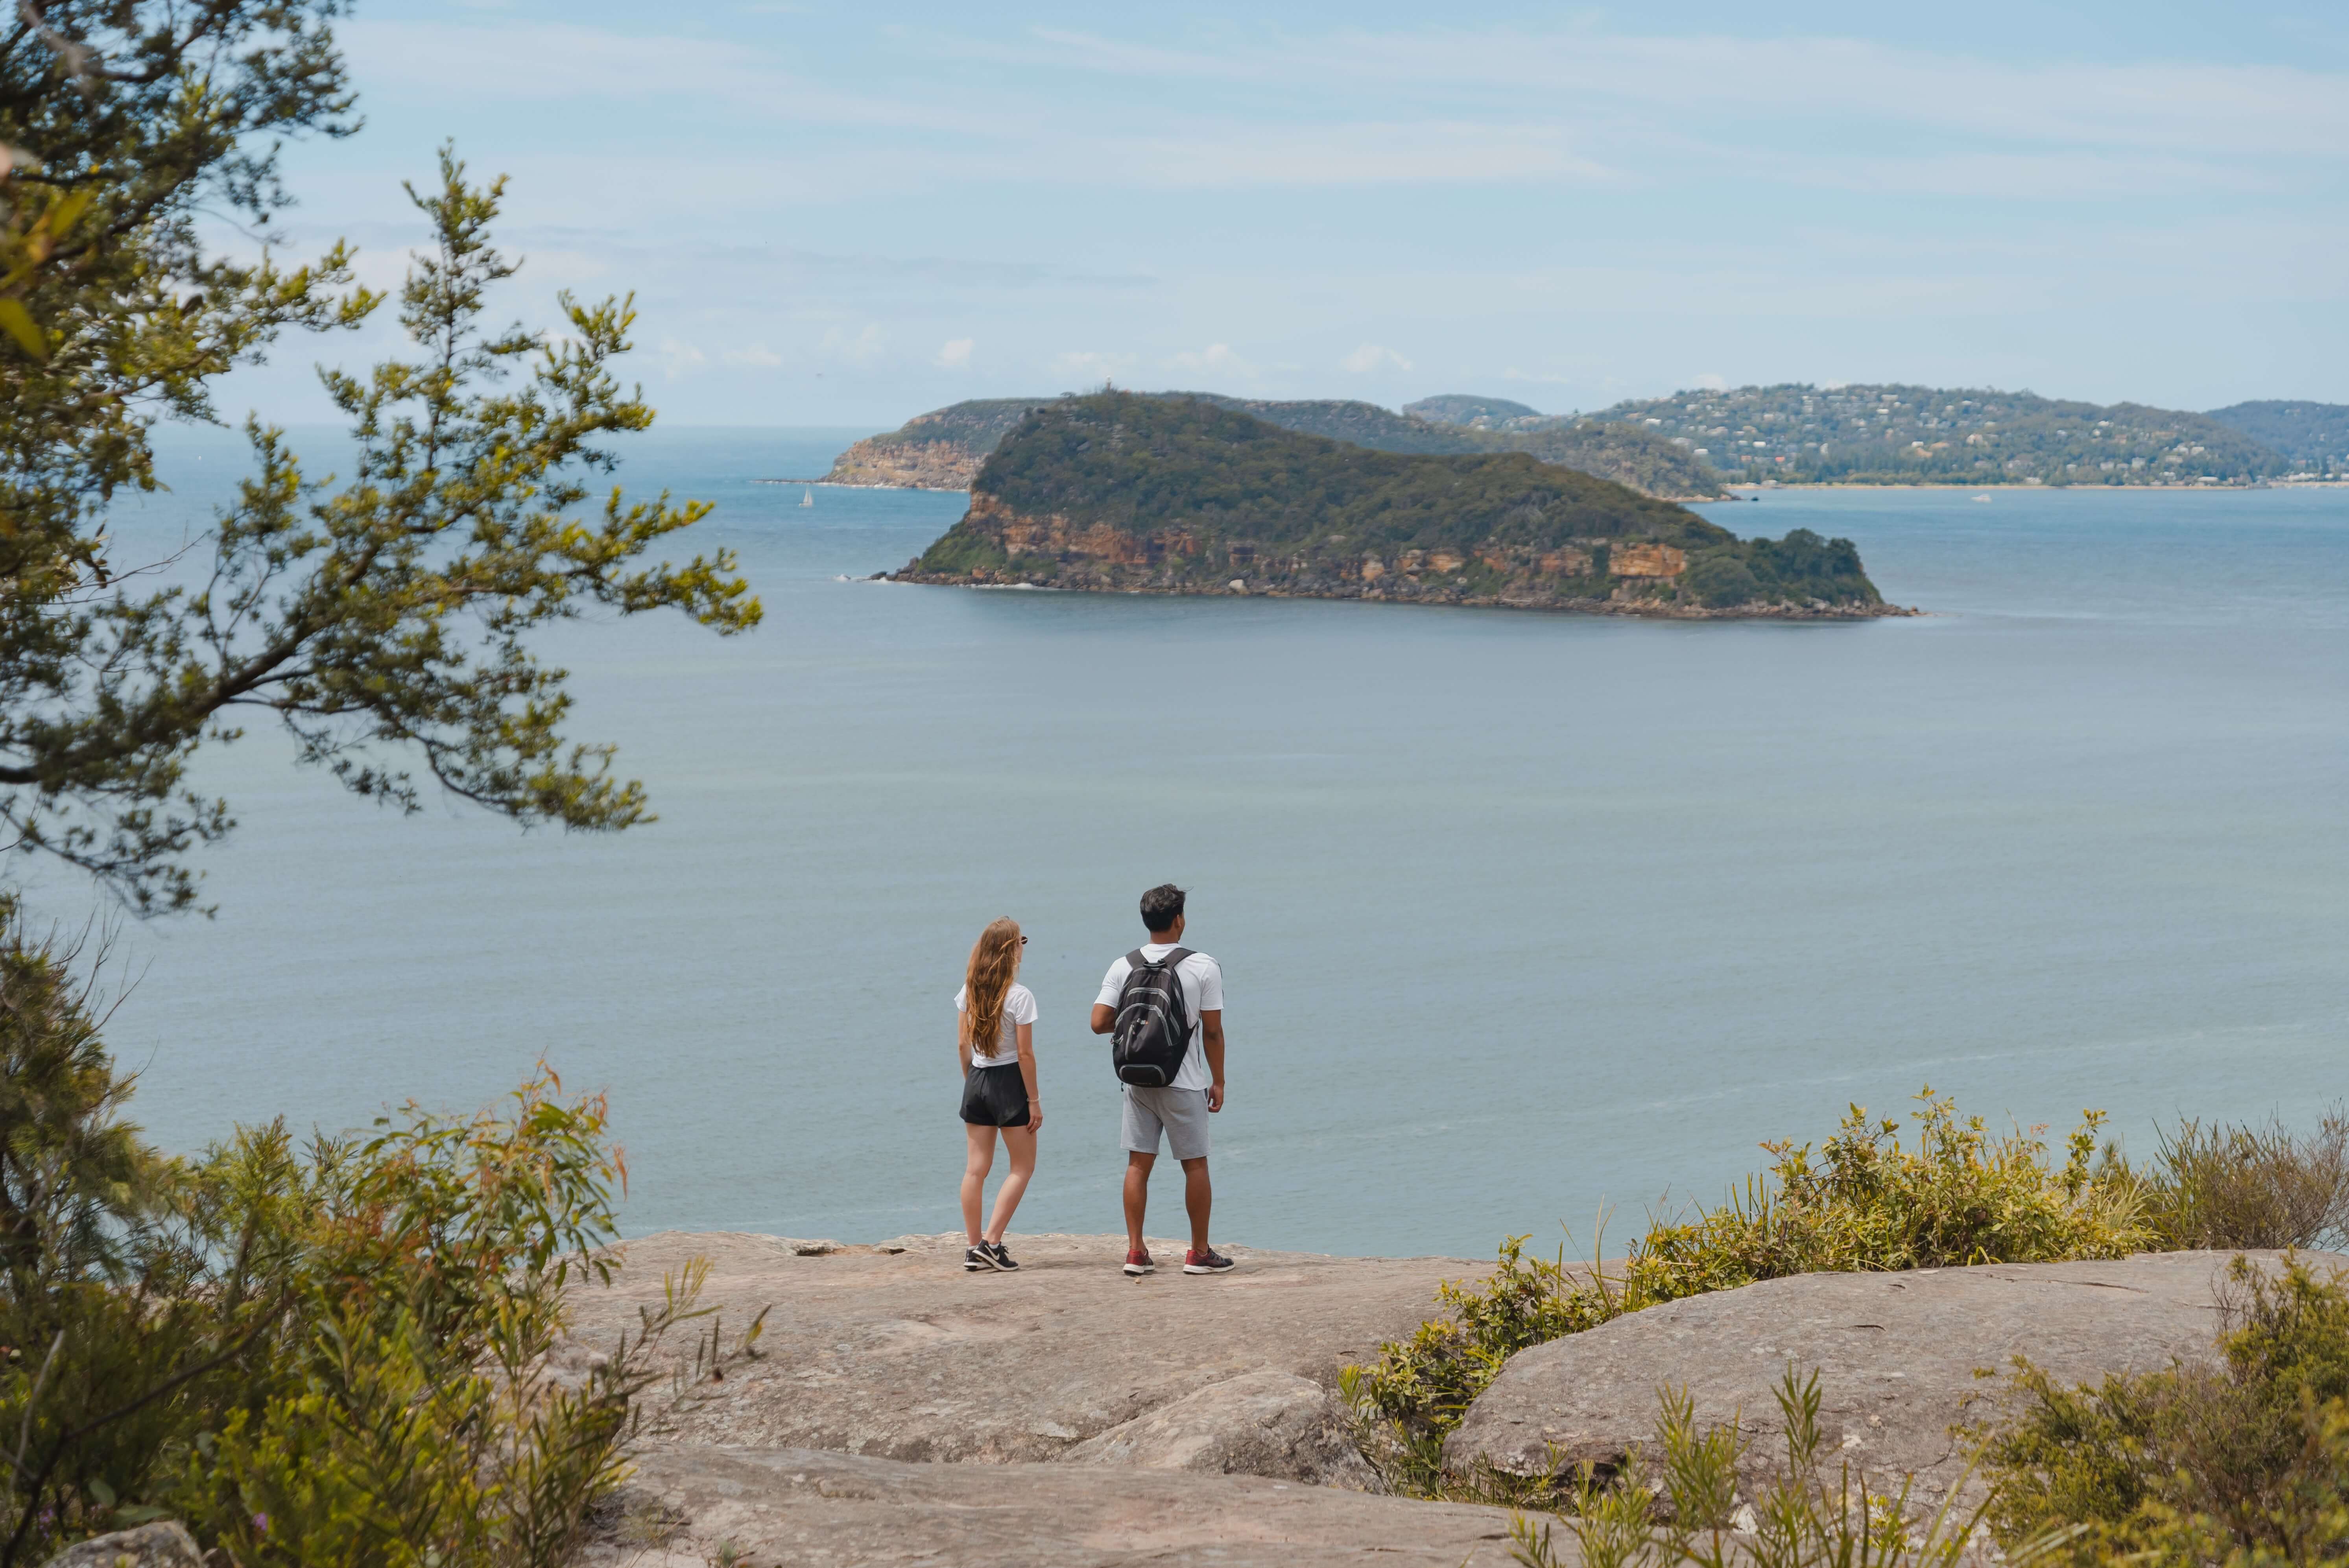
(1460, 408)
(1120, 492)
(1909, 435)
(942, 450)
(2313, 436)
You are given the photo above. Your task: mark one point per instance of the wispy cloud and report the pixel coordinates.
(954, 354)
(679, 358)
(757, 355)
(1372, 356)
(860, 348)
(1089, 365)
(1215, 359)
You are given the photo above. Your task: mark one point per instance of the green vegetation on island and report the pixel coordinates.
(2312, 436)
(1461, 408)
(1690, 445)
(942, 450)
(1924, 435)
(1127, 492)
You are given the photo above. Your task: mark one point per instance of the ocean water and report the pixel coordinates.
(1523, 917)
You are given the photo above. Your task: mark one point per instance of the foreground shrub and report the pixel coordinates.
(1959, 1196)
(2246, 1462)
(333, 1355)
(2253, 1186)
(1689, 1509)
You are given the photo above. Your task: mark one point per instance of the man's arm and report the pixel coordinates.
(1104, 1017)
(1211, 1035)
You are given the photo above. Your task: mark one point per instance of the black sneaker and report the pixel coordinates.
(981, 1256)
(1001, 1259)
(1209, 1261)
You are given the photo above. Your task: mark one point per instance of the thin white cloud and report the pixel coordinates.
(2188, 106)
(954, 354)
(1372, 356)
(1215, 359)
(859, 348)
(1092, 364)
(1712, 381)
(679, 358)
(757, 355)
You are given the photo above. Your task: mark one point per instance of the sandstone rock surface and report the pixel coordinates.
(1259, 1423)
(901, 1353)
(163, 1545)
(1896, 1352)
(789, 1508)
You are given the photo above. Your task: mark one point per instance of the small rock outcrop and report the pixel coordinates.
(783, 1508)
(163, 1545)
(1896, 1355)
(1266, 1423)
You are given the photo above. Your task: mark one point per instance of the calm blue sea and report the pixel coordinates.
(1522, 915)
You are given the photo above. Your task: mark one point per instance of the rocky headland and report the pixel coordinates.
(902, 1410)
(944, 449)
(1121, 493)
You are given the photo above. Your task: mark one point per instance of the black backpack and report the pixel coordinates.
(1152, 1032)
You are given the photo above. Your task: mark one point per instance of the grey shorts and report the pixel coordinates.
(1182, 1113)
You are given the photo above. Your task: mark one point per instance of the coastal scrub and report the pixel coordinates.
(1866, 1201)
(2245, 1462)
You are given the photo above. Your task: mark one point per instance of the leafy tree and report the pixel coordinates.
(120, 122)
(391, 616)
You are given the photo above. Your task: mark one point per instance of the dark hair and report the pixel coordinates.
(1162, 906)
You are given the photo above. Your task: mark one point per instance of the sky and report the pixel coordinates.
(844, 214)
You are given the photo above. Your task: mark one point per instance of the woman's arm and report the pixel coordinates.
(1028, 1074)
(962, 1039)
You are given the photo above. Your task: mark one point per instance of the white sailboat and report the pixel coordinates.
(807, 497)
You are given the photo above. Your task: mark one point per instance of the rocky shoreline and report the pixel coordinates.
(1621, 602)
(902, 1410)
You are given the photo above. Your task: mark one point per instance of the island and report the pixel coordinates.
(1118, 492)
(943, 448)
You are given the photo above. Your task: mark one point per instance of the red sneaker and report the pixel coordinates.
(1137, 1263)
(1209, 1261)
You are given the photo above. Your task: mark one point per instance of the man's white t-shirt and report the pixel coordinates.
(1202, 980)
(1019, 1008)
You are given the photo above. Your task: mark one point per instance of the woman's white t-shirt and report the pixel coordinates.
(1019, 1008)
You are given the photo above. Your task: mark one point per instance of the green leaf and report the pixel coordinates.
(18, 323)
(60, 218)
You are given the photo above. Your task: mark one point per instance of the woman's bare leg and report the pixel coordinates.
(1019, 1143)
(975, 1170)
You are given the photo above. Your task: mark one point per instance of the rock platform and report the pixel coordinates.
(1900, 1358)
(894, 1351)
(902, 1410)
(796, 1507)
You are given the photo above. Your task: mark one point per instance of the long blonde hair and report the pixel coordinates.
(994, 959)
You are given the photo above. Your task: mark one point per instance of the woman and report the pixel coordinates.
(996, 1039)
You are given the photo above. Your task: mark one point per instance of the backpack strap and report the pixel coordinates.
(1175, 960)
(1134, 960)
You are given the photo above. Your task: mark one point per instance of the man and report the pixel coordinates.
(1180, 1109)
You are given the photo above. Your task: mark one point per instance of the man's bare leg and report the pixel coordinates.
(1137, 1196)
(1197, 1198)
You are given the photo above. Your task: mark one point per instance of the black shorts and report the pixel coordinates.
(994, 1097)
